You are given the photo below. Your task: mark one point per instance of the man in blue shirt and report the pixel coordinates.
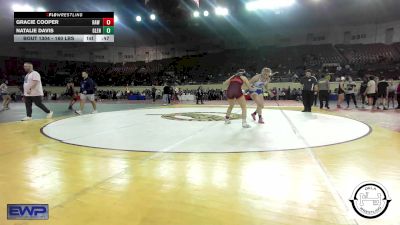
(87, 92)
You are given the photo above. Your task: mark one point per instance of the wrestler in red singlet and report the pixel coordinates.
(235, 87)
(234, 94)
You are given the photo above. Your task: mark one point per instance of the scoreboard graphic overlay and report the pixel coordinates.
(63, 26)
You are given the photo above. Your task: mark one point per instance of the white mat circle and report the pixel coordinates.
(147, 130)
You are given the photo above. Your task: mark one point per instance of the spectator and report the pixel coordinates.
(87, 91)
(371, 91)
(341, 92)
(382, 92)
(363, 88)
(391, 93)
(376, 79)
(33, 92)
(350, 86)
(398, 96)
(167, 94)
(5, 95)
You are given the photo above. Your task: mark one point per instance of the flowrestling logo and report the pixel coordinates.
(370, 199)
(27, 211)
(200, 116)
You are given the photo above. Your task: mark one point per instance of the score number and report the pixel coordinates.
(108, 30)
(108, 21)
(108, 25)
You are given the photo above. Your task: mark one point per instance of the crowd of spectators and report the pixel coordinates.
(340, 60)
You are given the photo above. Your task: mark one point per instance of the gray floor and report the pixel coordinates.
(17, 110)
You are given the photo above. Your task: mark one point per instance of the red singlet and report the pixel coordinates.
(235, 88)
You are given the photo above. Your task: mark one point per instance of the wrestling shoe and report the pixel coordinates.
(253, 115)
(79, 112)
(49, 115)
(227, 121)
(245, 125)
(27, 118)
(261, 120)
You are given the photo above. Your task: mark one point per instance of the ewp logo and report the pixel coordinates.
(27, 211)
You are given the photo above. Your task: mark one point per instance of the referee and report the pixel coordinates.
(310, 87)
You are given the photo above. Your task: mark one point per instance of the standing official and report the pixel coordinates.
(310, 87)
(33, 92)
(199, 95)
(153, 93)
(324, 87)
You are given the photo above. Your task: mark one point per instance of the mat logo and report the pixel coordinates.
(200, 116)
(370, 199)
(27, 211)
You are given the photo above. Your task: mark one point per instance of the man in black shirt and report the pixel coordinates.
(167, 94)
(363, 88)
(199, 95)
(153, 93)
(310, 87)
(382, 92)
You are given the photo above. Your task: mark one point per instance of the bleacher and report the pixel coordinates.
(215, 67)
(369, 53)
